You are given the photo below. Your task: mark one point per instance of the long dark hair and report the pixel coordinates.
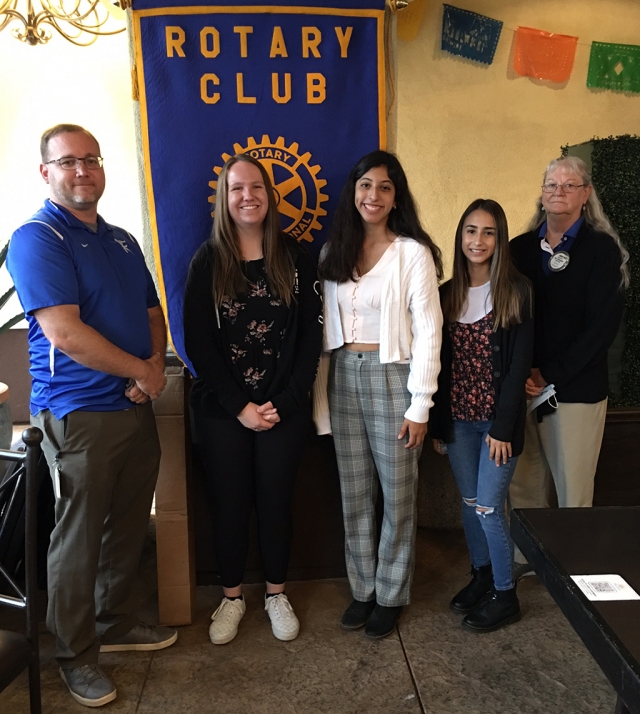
(228, 278)
(346, 237)
(509, 289)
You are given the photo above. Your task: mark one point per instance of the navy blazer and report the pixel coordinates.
(578, 312)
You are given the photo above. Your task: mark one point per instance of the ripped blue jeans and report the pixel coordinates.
(483, 487)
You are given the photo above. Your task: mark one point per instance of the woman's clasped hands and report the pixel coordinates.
(259, 418)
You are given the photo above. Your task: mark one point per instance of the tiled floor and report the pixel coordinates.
(430, 665)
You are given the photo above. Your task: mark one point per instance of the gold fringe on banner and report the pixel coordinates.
(135, 90)
(391, 97)
(410, 19)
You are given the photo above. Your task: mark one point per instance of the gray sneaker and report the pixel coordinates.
(142, 638)
(89, 685)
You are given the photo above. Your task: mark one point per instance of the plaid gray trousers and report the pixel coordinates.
(367, 402)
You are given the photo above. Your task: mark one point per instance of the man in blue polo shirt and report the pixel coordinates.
(96, 341)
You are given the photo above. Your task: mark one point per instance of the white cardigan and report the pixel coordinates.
(410, 329)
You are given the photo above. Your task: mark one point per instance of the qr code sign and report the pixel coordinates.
(603, 587)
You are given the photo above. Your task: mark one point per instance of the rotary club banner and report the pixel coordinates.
(297, 84)
(544, 55)
(614, 66)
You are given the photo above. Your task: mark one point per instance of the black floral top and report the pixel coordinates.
(472, 392)
(254, 325)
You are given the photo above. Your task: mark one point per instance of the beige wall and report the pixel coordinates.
(58, 82)
(467, 130)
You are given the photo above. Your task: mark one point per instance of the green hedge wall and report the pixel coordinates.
(615, 169)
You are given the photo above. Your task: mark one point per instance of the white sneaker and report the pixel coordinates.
(226, 620)
(284, 622)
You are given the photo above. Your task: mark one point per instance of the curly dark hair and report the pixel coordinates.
(340, 256)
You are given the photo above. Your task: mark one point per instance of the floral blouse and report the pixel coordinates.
(472, 392)
(254, 325)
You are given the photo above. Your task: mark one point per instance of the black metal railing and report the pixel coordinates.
(18, 508)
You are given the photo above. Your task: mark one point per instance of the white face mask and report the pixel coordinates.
(548, 393)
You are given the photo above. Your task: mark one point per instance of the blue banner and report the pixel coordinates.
(300, 88)
(273, 6)
(469, 34)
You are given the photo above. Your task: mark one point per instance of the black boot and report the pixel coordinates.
(475, 592)
(501, 609)
(357, 614)
(382, 621)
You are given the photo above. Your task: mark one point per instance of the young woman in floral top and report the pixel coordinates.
(253, 333)
(480, 405)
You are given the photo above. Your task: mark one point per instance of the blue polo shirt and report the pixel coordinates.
(55, 259)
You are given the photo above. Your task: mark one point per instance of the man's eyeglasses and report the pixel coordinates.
(566, 187)
(70, 163)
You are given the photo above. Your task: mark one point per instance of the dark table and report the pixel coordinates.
(589, 541)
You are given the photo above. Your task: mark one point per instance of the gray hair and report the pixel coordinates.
(593, 213)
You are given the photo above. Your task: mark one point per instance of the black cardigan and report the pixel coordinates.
(577, 313)
(217, 387)
(511, 355)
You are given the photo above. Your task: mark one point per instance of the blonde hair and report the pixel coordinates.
(594, 215)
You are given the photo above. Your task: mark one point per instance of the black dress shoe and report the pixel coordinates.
(501, 609)
(382, 621)
(471, 595)
(357, 614)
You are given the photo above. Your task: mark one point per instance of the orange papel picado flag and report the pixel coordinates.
(544, 55)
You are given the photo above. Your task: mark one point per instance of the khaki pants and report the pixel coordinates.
(565, 446)
(104, 467)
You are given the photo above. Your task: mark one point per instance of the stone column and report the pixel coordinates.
(174, 533)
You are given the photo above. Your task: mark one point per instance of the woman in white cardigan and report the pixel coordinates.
(382, 325)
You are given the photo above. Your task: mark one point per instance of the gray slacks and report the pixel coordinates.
(367, 402)
(104, 467)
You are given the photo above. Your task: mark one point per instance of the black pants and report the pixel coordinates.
(243, 468)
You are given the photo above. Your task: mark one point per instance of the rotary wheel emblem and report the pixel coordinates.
(298, 188)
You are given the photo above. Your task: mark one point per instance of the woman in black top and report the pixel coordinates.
(479, 408)
(253, 333)
(578, 266)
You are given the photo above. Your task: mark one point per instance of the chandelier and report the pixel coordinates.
(79, 21)
(397, 5)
